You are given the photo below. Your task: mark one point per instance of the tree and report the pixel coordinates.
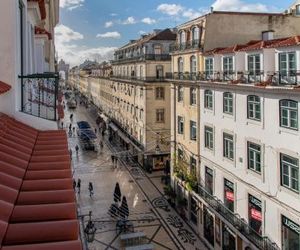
(117, 193)
(124, 210)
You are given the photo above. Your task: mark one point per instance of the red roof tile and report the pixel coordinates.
(42, 7)
(4, 87)
(37, 200)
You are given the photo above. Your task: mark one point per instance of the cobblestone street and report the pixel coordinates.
(163, 228)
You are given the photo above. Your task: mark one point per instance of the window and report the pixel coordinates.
(181, 37)
(193, 64)
(180, 65)
(253, 64)
(289, 172)
(288, 114)
(160, 115)
(180, 93)
(157, 49)
(229, 195)
(193, 164)
(209, 67)
(209, 180)
(298, 10)
(193, 96)
(208, 137)
(255, 214)
(193, 130)
(209, 226)
(228, 150)
(228, 64)
(287, 62)
(254, 110)
(254, 157)
(208, 99)
(159, 72)
(180, 128)
(195, 34)
(160, 93)
(228, 103)
(141, 92)
(290, 234)
(180, 154)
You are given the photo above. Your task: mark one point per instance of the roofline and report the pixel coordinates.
(248, 13)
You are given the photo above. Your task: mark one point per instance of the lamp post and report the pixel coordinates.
(90, 229)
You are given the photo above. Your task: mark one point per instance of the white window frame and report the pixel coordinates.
(209, 137)
(228, 146)
(289, 167)
(254, 155)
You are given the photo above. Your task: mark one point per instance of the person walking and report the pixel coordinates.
(74, 184)
(78, 185)
(101, 146)
(91, 189)
(62, 124)
(70, 151)
(95, 130)
(76, 149)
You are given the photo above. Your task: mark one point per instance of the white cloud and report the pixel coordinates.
(71, 4)
(191, 14)
(148, 20)
(142, 32)
(113, 34)
(129, 20)
(170, 9)
(74, 54)
(109, 24)
(239, 5)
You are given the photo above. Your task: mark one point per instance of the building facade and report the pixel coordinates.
(27, 50)
(229, 204)
(135, 97)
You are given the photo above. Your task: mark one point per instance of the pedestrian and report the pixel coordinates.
(74, 130)
(78, 185)
(74, 184)
(70, 151)
(71, 116)
(76, 149)
(70, 126)
(62, 124)
(91, 189)
(95, 130)
(103, 132)
(101, 146)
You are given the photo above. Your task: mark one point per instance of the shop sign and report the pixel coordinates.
(229, 196)
(254, 201)
(209, 171)
(256, 215)
(291, 225)
(229, 184)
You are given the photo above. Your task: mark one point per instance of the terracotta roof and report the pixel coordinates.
(231, 49)
(42, 7)
(4, 87)
(212, 52)
(290, 41)
(37, 202)
(42, 31)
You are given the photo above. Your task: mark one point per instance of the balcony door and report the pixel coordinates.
(287, 68)
(254, 68)
(159, 72)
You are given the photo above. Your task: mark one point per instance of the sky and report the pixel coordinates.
(93, 29)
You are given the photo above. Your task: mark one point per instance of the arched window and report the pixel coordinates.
(288, 114)
(253, 107)
(208, 99)
(195, 34)
(182, 38)
(228, 103)
(180, 65)
(193, 64)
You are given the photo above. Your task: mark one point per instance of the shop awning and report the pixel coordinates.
(113, 127)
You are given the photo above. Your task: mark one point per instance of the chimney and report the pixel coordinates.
(268, 35)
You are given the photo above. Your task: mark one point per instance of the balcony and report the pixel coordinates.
(150, 57)
(261, 242)
(141, 78)
(39, 95)
(286, 78)
(192, 44)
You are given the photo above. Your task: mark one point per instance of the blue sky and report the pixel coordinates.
(93, 29)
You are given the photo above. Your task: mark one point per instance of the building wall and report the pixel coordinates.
(277, 200)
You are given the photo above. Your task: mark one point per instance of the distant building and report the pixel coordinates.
(62, 66)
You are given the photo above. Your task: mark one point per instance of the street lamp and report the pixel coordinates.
(90, 229)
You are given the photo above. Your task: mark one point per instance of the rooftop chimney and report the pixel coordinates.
(268, 35)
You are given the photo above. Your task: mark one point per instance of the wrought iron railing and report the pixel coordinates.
(39, 94)
(259, 241)
(142, 78)
(291, 77)
(191, 44)
(152, 57)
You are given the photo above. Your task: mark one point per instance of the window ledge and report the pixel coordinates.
(286, 190)
(225, 115)
(288, 131)
(253, 122)
(254, 174)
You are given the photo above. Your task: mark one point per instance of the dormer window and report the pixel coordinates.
(181, 37)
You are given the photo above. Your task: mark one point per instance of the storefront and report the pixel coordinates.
(255, 214)
(228, 238)
(208, 226)
(209, 180)
(290, 234)
(229, 195)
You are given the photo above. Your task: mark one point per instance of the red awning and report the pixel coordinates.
(4, 87)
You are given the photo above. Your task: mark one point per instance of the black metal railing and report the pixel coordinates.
(291, 77)
(236, 221)
(152, 57)
(142, 78)
(191, 44)
(39, 94)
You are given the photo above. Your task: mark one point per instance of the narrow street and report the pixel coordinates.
(163, 228)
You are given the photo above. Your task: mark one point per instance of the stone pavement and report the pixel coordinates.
(164, 229)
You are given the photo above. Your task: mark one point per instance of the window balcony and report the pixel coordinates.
(40, 95)
(191, 44)
(261, 242)
(150, 57)
(291, 77)
(142, 78)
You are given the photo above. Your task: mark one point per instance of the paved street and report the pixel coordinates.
(164, 229)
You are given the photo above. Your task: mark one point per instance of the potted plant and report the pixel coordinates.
(170, 193)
